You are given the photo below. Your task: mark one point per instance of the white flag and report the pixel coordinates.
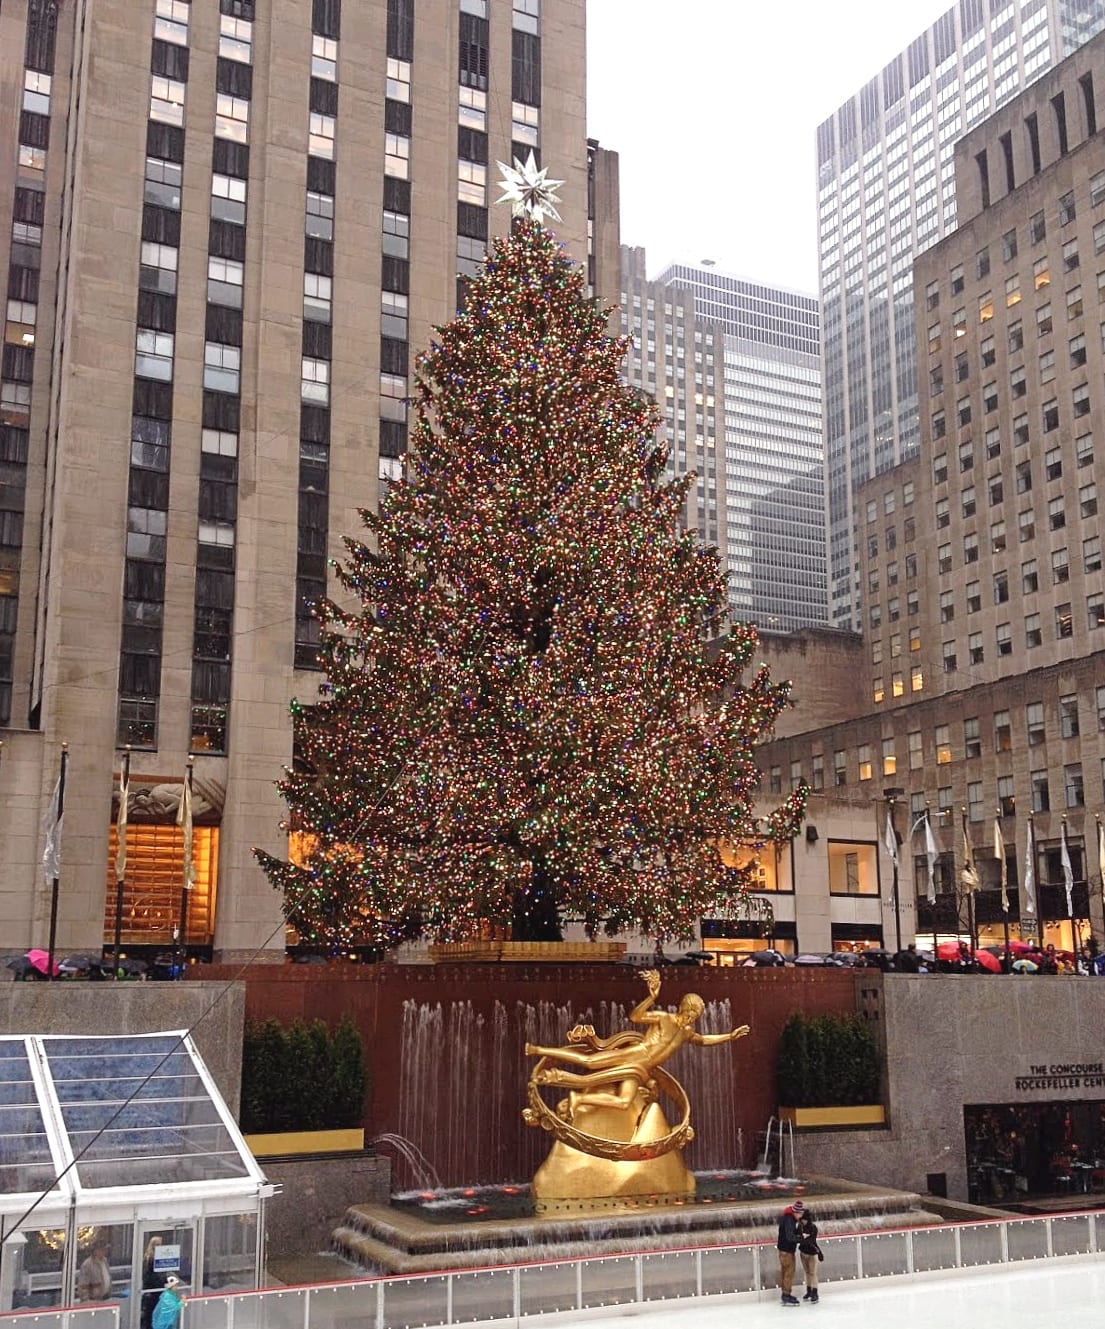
(1068, 874)
(969, 876)
(931, 855)
(999, 854)
(184, 818)
(1028, 905)
(890, 840)
(51, 853)
(121, 823)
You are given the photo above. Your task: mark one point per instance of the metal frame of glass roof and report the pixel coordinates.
(117, 1125)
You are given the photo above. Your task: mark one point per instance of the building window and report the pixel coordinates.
(864, 761)
(1083, 448)
(1003, 732)
(1056, 514)
(222, 365)
(315, 381)
(1033, 633)
(1087, 500)
(1095, 611)
(232, 118)
(974, 800)
(1034, 723)
(166, 100)
(397, 156)
(1007, 803)
(1060, 567)
(154, 355)
(972, 739)
(317, 292)
(1075, 794)
(1068, 716)
(1064, 623)
(1041, 792)
(974, 648)
(224, 282)
(840, 767)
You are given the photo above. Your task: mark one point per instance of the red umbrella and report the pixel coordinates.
(989, 962)
(948, 950)
(1018, 947)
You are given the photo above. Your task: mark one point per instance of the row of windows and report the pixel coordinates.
(21, 319)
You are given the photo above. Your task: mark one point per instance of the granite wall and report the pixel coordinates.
(215, 1012)
(954, 1041)
(314, 1195)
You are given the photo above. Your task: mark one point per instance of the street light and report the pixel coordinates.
(890, 797)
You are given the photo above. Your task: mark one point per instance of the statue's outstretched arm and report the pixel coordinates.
(641, 1013)
(711, 1040)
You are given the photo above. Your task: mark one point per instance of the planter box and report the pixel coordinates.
(834, 1118)
(286, 1144)
(465, 952)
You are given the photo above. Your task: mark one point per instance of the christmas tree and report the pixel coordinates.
(523, 717)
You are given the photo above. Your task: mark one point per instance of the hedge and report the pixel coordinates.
(302, 1077)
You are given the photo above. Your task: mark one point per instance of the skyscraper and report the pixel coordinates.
(886, 192)
(773, 486)
(232, 227)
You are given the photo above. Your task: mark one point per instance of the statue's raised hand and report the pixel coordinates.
(652, 979)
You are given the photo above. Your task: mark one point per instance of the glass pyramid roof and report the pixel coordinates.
(92, 1113)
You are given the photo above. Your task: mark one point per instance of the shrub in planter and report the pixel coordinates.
(302, 1077)
(827, 1061)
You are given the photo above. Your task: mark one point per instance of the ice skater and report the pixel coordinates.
(787, 1245)
(809, 1251)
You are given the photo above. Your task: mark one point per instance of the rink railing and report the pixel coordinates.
(511, 1293)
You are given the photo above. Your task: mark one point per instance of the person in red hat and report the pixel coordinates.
(787, 1244)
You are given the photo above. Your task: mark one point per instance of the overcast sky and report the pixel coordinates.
(713, 106)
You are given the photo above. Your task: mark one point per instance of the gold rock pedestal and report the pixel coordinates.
(570, 1174)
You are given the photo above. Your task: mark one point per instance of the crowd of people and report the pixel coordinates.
(1019, 958)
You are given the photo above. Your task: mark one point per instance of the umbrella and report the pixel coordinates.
(78, 964)
(41, 961)
(1019, 947)
(132, 968)
(21, 965)
(1025, 967)
(989, 962)
(812, 959)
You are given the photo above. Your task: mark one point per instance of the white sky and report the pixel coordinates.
(713, 107)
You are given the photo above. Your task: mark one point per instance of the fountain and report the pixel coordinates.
(459, 1097)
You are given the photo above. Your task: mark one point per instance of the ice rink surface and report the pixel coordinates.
(1044, 1293)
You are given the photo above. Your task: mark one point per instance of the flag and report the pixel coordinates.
(1003, 868)
(890, 839)
(51, 853)
(184, 818)
(1028, 905)
(121, 820)
(969, 876)
(931, 855)
(1068, 874)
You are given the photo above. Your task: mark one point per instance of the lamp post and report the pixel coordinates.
(890, 797)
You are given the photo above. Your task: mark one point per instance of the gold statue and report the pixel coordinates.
(612, 1137)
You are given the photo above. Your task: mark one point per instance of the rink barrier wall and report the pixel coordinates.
(509, 1294)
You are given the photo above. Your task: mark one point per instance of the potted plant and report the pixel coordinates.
(828, 1073)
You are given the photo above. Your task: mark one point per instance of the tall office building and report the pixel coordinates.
(773, 486)
(886, 192)
(232, 225)
(676, 358)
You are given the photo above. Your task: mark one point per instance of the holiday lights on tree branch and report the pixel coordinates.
(521, 718)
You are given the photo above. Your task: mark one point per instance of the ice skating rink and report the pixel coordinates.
(1044, 1293)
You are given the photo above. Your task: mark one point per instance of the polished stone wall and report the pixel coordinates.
(954, 1041)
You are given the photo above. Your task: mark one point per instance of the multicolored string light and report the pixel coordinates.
(523, 719)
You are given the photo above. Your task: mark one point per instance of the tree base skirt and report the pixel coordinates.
(527, 952)
(834, 1118)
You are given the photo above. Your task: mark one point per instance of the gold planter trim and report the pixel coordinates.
(280, 1143)
(834, 1118)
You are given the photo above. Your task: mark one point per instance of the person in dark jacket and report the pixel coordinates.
(153, 1283)
(787, 1245)
(810, 1253)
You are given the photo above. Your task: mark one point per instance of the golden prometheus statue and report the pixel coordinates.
(612, 1136)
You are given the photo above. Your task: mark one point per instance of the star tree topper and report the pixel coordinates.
(529, 191)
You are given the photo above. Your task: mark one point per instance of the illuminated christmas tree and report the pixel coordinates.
(522, 719)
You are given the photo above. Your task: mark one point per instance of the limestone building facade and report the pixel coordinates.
(232, 227)
(980, 558)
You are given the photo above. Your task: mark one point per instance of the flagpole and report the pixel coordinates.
(186, 880)
(55, 879)
(969, 887)
(1068, 884)
(999, 844)
(121, 856)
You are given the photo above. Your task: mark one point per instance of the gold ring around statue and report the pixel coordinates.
(599, 1146)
